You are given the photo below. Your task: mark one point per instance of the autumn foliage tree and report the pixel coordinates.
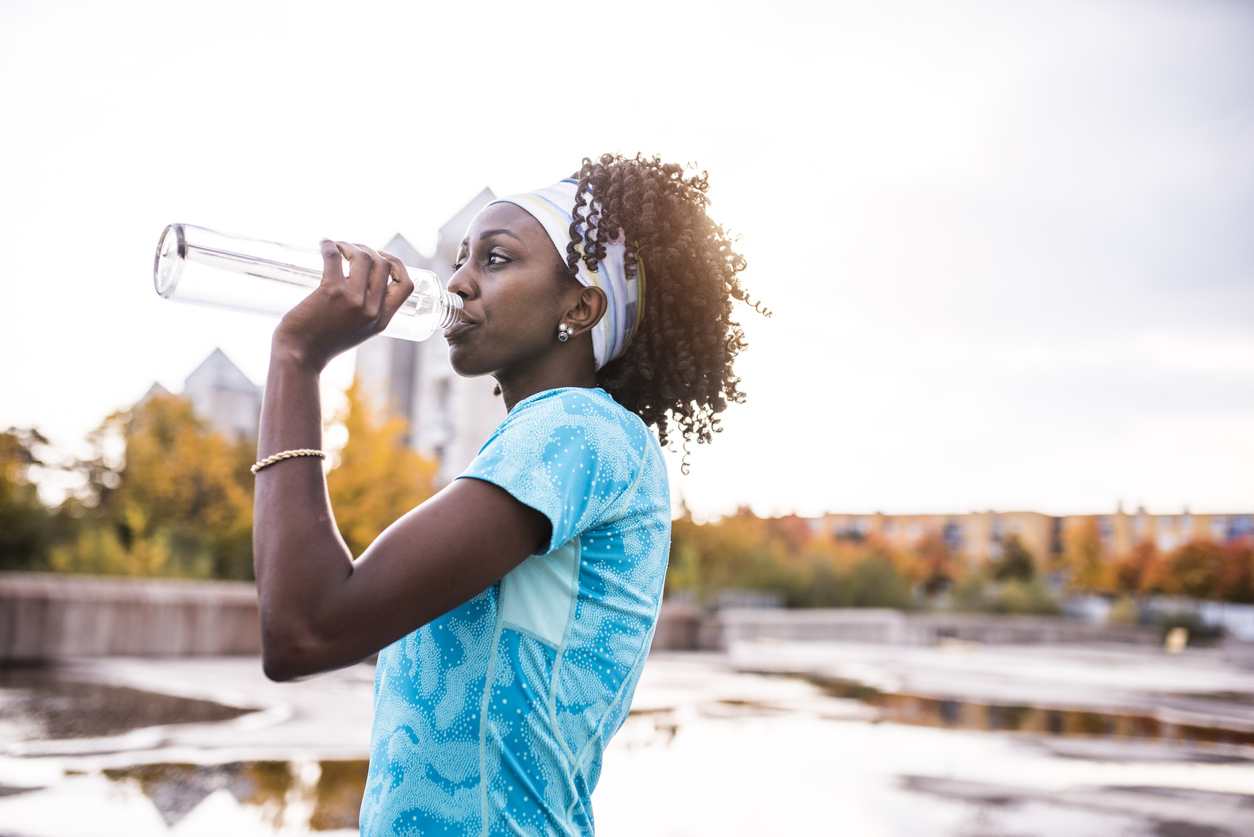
(1082, 557)
(936, 564)
(376, 478)
(169, 497)
(1140, 571)
(1197, 570)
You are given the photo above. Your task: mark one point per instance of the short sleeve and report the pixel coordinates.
(571, 454)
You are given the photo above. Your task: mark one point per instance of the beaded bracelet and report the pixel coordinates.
(287, 454)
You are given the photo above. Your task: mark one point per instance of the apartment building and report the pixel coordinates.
(978, 537)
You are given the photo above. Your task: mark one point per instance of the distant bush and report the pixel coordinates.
(874, 582)
(784, 555)
(976, 594)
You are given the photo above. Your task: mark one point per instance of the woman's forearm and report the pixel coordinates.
(299, 556)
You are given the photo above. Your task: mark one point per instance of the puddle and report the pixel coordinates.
(992, 717)
(44, 703)
(714, 751)
(323, 796)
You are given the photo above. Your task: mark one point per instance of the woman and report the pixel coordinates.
(512, 612)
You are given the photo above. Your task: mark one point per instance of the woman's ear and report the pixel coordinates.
(587, 311)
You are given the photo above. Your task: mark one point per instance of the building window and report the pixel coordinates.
(1105, 529)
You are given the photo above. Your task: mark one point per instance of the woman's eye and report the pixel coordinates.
(457, 266)
(496, 258)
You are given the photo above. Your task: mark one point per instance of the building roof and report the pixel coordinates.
(218, 372)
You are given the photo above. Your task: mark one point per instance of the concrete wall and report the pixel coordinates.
(682, 627)
(52, 616)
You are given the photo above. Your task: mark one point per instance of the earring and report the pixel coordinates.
(564, 332)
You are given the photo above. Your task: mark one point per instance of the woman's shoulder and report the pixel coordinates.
(576, 419)
(580, 404)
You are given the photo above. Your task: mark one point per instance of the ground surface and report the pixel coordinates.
(857, 740)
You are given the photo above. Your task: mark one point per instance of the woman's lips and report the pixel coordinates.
(458, 328)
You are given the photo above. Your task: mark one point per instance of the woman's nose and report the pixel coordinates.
(461, 284)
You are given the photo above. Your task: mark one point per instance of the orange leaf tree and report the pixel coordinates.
(377, 478)
(176, 499)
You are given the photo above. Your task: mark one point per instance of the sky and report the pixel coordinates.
(1009, 246)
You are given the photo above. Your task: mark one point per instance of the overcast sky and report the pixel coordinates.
(1009, 245)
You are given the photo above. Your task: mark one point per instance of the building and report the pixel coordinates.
(1121, 531)
(448, 417)
(221, 395)
(978, 537)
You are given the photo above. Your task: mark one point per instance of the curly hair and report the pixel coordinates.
(677, 374)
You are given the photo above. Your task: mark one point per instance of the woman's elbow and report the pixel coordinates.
(286, 657)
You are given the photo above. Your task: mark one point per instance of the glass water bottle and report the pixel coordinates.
(203, 267)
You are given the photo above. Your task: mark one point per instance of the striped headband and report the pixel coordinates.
(554, 208)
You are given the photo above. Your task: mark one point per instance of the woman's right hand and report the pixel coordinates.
(344, 310)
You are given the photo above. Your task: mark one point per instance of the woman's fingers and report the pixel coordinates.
(377, 281)
(398, 290)
(367, 279)
(332, 260)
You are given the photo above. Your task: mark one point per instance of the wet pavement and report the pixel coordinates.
(772, 738)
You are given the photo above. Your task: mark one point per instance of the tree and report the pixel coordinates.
(1237, 581)
(1140, 570)
(1197, 569)
(935, 565)
(24, 521)
(1082, 556)
(1016, 562)
(177, 502)
(377, 478)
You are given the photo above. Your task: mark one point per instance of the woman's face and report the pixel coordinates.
(509, 277)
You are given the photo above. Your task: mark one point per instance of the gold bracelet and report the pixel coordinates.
(287, 454)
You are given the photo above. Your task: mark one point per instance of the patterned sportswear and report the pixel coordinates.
(492, 719)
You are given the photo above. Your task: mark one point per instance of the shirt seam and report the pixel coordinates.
(484, 707)
(618, 695)
(519, 629)
(561, 656)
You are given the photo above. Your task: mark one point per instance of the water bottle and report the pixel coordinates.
(204, 267)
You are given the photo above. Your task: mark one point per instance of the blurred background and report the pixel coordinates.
(991, 487)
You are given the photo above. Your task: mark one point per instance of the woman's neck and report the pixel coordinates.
(515, 388)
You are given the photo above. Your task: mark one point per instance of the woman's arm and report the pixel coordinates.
(319, 609)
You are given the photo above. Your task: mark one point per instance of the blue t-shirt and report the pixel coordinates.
(491, 720)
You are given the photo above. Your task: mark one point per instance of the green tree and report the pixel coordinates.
(875, 582)
(25, 523)
(1016, 562)
(377, 478)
